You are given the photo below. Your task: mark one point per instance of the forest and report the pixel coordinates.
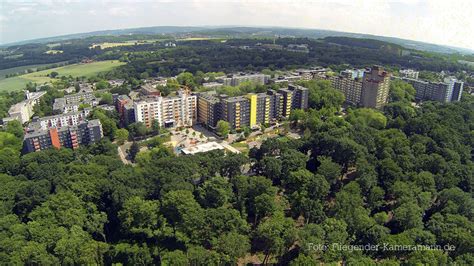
(224, 54)
(401, 176)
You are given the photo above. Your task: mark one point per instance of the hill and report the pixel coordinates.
(239, 31)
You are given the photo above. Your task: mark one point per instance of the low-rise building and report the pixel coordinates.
(409, 73)
(149, 90)
(73, 102)
(23, 110)
(205, 147)
(212, 85)
(237, 79)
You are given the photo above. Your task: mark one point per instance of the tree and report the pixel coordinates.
(215, 192)
(271, 168)
(186, 79)
(102, 85)
(408, 215)
(8, 140)
(297, 116)
(14, 127)
(401, 91)
(155, 127)
(53, 74)
(367, 117)
(233, 245)
(137, 129)
(175, 258)
(133, 151)
(121, 135)
(197, 255)
(322, 95)
(184, 214)
(223, 128)
(329, 169)
(276, 235)
(264, 205)
(9, 160)
(106, 98)
(131, 254)
(141, 217)
(109, 124)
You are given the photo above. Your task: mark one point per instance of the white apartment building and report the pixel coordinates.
(177, 111)
(23, 110)
(409, 73)
(57, 121)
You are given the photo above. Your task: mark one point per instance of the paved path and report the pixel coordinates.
(123, 156)
(230, 148)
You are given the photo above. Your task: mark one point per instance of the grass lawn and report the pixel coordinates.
(75, 70)
(242, 146)
(21, 69)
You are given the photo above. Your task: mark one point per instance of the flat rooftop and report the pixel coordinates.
(210, 146)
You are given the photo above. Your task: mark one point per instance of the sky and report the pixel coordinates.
(448, 22)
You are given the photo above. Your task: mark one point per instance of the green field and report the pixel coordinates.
(106, 45)
(75, 70)
(21, 69)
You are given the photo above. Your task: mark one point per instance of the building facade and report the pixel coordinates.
(208, 109)
(84, 133)
(409, 73)
(237, 79)
(447, 91)
(375, 88)
(23, 110)
(125, 109)
(350, 87)
(63, 120)
(175, 111)
(236, 111)
(252, 109)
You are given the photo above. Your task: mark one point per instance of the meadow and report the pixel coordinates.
(106, 45)
(74, 70)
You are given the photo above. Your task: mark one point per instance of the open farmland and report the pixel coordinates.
(75, 70)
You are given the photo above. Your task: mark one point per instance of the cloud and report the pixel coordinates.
(121, 11)
(438, 21)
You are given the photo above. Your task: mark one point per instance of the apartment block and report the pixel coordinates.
(409, 73)
(349, 86)
(63, 120)
(299, 99)
(375, 88)
(447, 91)
(86, 132)
(457, 91)
(23, 110)
(236, 111)
(276, 105)
(252, 109)
(237, 79)
(174, 111)
(125, 109)
(208, 109)
(71, 103)
(287, 96)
